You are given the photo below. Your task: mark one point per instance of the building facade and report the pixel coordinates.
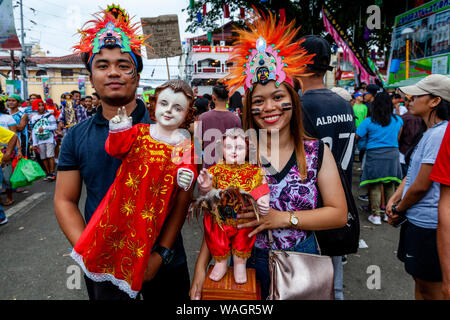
(61, 74)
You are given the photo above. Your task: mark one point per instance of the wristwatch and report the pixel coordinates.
(293, 219)
(395, 211)
(166, 254)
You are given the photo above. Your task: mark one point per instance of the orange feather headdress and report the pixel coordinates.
(266, 52)
(110, 28)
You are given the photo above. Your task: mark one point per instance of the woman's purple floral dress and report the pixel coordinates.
(289, 193)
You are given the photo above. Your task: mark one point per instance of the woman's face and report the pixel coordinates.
(267, 104)
(12, 103)
(171, 109)
(422, 105)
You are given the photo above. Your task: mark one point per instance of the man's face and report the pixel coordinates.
(114, 76)
(76, 97)
(95, 101)
(32, 98)
(368, 97)
(88, 103)
(359, 99)
(41, 109)
(171, 109)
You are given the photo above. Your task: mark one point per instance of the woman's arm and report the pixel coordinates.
(332, 215)
(201, 267)
(418, 189)
(23, 123)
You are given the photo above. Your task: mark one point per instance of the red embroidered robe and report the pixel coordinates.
(117, 242)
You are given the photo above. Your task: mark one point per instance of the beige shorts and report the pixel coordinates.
(46, 150)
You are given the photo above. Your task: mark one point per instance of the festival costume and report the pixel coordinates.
(221, 232)
(264, 52)
(117, 242)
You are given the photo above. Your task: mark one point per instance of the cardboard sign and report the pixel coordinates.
(164, 36)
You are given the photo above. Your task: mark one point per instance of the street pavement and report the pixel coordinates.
(35, 262)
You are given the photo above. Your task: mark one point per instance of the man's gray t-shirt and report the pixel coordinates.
(425, 212)
(219, 120)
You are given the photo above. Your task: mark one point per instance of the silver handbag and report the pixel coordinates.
(300, 276)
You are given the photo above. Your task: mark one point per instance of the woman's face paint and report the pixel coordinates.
(256, 111)
(286, 106)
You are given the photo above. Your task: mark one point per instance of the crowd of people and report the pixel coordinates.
(40, 127)
(397, 137)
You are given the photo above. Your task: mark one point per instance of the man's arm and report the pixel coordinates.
(67, 196)
(170, 230)
(443, 239)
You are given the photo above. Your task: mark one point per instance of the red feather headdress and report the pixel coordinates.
(266, 52)
(111, 27)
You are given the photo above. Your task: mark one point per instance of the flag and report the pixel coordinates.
(242, 13)
(209, 36)
(350, 53)
(199, 17)
(204, 9)
(192, 4)
(226, 11)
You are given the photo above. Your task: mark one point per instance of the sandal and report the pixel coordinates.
(8, 203)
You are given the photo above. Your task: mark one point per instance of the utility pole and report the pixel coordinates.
(13, 67)
(23, 67)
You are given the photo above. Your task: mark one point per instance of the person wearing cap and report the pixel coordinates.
(328, 117)
(359, 108)
(114, 73)
(418, 196)
(369, 96)
(344, 94)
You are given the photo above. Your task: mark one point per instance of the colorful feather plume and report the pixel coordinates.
(264, 52)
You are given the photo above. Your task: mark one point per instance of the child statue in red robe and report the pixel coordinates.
(157, 161)
(227, 188)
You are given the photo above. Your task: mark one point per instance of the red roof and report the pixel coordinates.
(33, 61)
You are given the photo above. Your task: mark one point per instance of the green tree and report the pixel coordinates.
(350, 15)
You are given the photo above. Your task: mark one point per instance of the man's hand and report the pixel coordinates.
(204, 181)
(184, 178)
(154, 263)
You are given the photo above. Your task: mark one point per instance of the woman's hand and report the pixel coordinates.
(273, 220)
(197, 284)
(204, 181)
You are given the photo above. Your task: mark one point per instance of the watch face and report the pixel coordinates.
(294, 220)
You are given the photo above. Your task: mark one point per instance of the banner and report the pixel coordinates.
(82, 86)
(46, 87)
(350, 53)
(8, 36)
(429, 49)
(13, 87)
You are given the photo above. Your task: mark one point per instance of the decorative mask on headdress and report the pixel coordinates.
(110, 29)
(266, 52)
